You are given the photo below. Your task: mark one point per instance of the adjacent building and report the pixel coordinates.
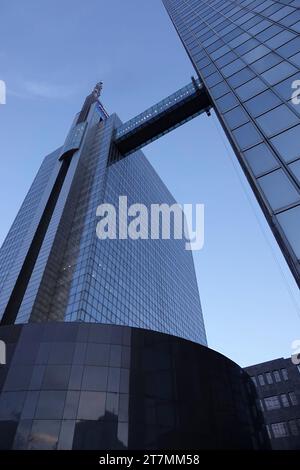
(278, 386)
(247, 53)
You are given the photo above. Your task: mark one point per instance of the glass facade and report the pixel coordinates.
(18, 240)
(77, 277)
(143, 283)
(247, 54)
(105, 387)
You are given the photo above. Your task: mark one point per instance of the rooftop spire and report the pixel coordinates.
(97, 89)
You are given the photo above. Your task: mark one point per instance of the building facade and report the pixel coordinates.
(54, 268)
(278, 386)
(247, 53)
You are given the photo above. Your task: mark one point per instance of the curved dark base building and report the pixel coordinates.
(104, 387)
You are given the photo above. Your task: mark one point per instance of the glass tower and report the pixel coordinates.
(247, 53)
(53, 267)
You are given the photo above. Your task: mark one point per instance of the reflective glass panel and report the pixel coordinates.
(290, 222)
(260, 159)
(278, 189)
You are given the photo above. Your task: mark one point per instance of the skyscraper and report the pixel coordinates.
(54, 268)
(247, 53)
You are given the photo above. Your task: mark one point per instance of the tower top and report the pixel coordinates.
(97, 89)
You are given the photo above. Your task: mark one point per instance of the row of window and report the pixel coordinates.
(276, 402)
(270, 377)
(284, 429)
(262, 161)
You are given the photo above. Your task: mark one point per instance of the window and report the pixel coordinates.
(97, 354)
(247, 135)
(279, 429)
(281, 13)
(293, 398)
(290, 48)
(231, 33)
(245, 19)
(201, 62)
(284, 400)
(279, 72)
(259, 404)
(215, 45)
(236, 117)
(255, 54)
(91, 405)
(268, 431)
(251, 88)
(277, 120)
(214, 79)
(239, 40)
(269, 377)
(278, 198)
(226, 59)
(293, 428)
(227, 102)
(296, 59)
(272, 403)
(95, 378)
(246, 46)
(288, 143)
(290, 222)
(280, 39)
(50, 405)
(259, 27)
(266, 62)
(254, 380)
(56, 377)
(276, 376)
(285, 88)
(232, 68)
(219, 52)
(284, 374)
(295, 167)
(262, 103)
(44, 435)
(292, 18)
(268, 33)
(263, 6)
(219, 90)
(260, 159)
(272, 9)
(261, 379)
(206, 71)
(241, 77)
(11, 405)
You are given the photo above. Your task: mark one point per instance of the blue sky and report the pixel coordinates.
(52, 53)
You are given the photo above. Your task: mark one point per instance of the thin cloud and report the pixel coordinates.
(46, 90)
(30, 89)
